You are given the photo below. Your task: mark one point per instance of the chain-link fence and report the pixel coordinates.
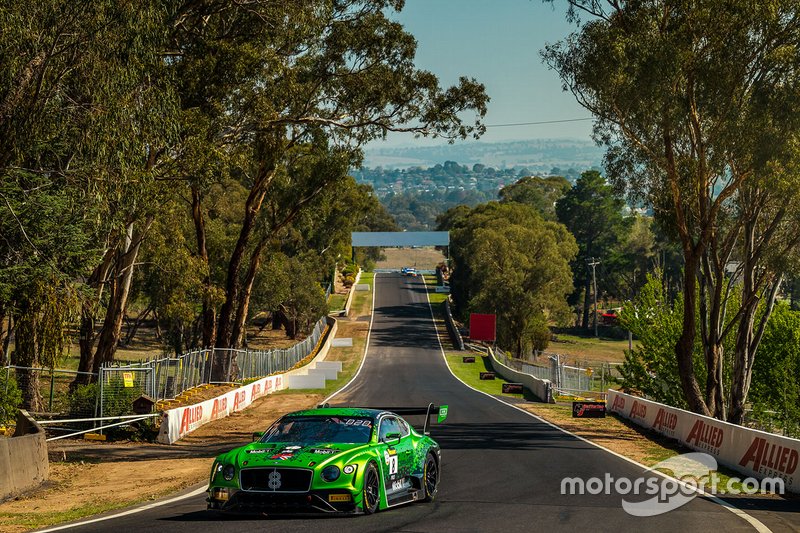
(579, 379)
(167, 378)
(49, 391)
(56, 394)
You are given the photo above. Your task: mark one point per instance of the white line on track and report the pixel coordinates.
(754, 522)
(366, 345)
(135, 510)
(201, 490)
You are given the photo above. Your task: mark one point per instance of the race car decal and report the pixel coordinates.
(323, 451)
(286, 453)
(390, 456)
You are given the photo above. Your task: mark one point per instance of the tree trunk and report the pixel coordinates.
(748, 339)
(119, 292)
(97, 282)
(239, 326)
(209, 313)
(4, 334)
(129, 336)
(684, 348)
(25, 350)
(233, 283)
(288, 324)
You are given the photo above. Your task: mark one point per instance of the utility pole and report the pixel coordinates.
(593, 263)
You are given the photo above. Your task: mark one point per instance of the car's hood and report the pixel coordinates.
(288, 454)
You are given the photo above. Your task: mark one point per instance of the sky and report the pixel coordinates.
(498, 43)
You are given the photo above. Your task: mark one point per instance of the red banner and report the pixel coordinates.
(482, 327)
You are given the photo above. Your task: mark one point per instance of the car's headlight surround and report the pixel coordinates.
(228, 471)
(349, 469)
(330, 473)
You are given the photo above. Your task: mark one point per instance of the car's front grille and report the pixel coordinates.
(275, 479)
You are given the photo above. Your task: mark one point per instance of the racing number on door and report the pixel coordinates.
(391, 462)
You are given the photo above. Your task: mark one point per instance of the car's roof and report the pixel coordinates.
(339, 411)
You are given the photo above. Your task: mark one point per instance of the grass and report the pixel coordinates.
(590, 349)
(336, 301)
(469, 373)
(350, 356)
(25, 521)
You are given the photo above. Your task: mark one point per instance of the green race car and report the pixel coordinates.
(330, 460)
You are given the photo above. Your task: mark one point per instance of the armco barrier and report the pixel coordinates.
(749, 451)
(541, 388)
(23, 458)
(452, 328)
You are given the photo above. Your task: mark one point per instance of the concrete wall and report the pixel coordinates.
(541, 388)
(350, 294)
(23, 458)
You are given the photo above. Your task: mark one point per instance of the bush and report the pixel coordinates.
(10, 400)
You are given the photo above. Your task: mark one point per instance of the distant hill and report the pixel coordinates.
(539, 156)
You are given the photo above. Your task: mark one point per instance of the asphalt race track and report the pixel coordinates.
(501, 468)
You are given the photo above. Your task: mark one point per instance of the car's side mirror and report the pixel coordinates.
(257, 435)
(392, 437)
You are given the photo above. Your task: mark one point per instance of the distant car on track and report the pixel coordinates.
(330, 460)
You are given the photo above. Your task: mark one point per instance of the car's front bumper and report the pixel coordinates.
(275, 503)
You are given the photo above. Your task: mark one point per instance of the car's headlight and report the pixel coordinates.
(349, 469)
(330, 473)
(228, 471)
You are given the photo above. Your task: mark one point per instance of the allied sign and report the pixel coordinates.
(487, 375)
(588, 409)
(749, 451)
(468, 359)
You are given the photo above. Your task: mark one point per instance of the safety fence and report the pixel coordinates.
(568, 380)
(56, 394)
(167, 378)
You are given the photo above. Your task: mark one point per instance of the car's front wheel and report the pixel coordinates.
(372, 489)
(431, 478)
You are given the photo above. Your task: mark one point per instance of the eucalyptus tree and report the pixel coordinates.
(265, 78)
(699, 105)
(510, 262)
(541, 193)
(80, 115)
(592, 211)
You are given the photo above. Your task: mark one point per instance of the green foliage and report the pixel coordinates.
(510, 262)
(592, 212)
(651, 368)
(776, 372)
(10, 398)
(540, 193)
(83, 399)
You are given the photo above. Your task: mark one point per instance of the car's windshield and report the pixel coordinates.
(306, 430)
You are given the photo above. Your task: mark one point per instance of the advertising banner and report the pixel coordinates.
(181, 421)
(752, 452)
